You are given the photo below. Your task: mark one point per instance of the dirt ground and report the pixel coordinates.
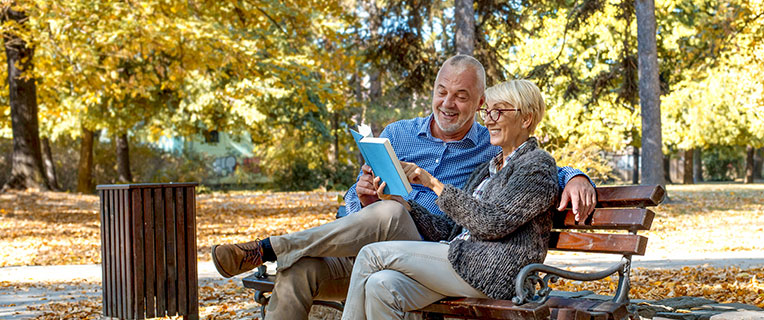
(61, 229)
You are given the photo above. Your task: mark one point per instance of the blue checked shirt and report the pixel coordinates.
(449, 162)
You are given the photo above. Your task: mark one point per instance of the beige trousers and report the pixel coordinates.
(315, 264)
(391, 278)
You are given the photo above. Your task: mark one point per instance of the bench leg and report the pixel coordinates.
(262, 300)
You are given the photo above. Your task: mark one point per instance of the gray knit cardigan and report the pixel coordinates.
(509, 227)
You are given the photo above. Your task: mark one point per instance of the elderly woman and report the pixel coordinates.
(496, 225)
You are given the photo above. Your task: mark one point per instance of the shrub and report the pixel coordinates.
(723, 163)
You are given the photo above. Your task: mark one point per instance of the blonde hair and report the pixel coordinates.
(521, 94)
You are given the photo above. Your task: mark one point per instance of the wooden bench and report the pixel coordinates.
(622, 208)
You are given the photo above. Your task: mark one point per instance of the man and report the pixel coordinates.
(315, 264)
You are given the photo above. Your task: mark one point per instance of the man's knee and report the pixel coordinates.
(389, 210)
(306, 273)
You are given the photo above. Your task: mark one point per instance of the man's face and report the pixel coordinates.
(455, 98)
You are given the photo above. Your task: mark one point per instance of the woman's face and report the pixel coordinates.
(507, 130)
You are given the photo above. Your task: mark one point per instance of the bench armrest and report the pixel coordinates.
(528, 278)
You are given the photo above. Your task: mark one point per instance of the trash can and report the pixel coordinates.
(148, 250)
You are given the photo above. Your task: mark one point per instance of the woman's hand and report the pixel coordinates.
(417, 175)
(381, 193)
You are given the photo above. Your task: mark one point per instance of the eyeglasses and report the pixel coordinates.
(494, 114)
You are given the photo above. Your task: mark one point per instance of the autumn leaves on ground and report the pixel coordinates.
(60, 228)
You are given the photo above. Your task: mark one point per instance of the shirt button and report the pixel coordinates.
(437, 160)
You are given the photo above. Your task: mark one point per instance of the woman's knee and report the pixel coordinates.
(367, 253)
(381, 287)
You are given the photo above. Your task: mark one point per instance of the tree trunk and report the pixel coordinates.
(26, 159)
(749, 164)
(85, 171)
(123, 159)
(697, 157)
(50, 166)
(375, 74)
(464, 17)
(687, 172)
(649, 94)
(758, 157)
(635, 172)
(445, 43)
(667, 169)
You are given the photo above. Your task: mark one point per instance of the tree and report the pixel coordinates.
(649, 94)
(749, 164)
(123, 159)
(687, 174)
(49, 165)
(464, 17)
(697, 166)
(27, 166)
(758, 163)
(85, 168)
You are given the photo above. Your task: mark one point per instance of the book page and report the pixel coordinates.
(365, 130)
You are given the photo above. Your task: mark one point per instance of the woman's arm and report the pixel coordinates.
(431, 227)
(529, 191)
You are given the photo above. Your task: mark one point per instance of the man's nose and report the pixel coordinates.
(449, 101)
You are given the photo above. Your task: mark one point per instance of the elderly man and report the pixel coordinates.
(316, 264)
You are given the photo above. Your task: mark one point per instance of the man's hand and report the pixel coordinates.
(365, 189)
(581, 195)
(382, 195)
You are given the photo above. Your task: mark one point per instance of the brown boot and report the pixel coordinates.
(233, 259)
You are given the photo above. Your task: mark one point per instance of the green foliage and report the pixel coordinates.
(723, 163)
(297, 176)
(588, 160)
(148, 164)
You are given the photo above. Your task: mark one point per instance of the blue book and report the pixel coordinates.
(380, 156)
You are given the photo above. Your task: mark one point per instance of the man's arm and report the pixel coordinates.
(577, 189)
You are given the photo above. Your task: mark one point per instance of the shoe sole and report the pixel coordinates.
(217, 266)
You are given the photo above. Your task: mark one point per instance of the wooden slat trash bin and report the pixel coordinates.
(148, 250)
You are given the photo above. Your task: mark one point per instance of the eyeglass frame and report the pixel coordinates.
(484, 113)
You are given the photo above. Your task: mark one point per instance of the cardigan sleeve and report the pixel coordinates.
(519, 196)
(431, 227)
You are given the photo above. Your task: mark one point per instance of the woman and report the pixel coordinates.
(496, 225)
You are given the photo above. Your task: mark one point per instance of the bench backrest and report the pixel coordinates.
(618, 208)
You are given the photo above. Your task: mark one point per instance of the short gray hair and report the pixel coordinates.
(463, 60)
(521, 94)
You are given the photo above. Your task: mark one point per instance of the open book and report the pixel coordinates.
(379, 155)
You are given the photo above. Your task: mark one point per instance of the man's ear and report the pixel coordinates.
(481, 102)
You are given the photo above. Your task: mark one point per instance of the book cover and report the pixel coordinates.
(380, 156)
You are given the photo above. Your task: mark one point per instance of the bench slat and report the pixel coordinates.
(630, 196)
(487, 309)
(607, 218)
(598, 242)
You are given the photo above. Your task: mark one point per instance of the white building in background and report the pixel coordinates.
(225, 153)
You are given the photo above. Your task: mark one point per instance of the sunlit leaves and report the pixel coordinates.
(134, 66)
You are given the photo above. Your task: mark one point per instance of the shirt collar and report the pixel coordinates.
(492, 167)
(473, 135)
